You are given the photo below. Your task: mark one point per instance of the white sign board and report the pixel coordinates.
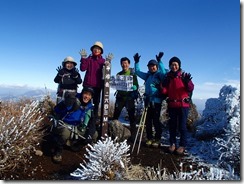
(124, 82)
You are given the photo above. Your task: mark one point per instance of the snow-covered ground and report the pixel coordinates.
(216, 141)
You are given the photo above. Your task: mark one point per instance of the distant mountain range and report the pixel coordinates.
(17, 92)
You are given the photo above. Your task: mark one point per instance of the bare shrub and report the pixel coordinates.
(20, 126)
(46, 105)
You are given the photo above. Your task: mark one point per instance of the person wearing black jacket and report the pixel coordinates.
(68, 78)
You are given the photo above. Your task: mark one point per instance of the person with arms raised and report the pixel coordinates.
(152, 97)
(68, 78)
(178, 88)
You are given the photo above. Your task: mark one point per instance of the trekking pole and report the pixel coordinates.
(143, 125)
(139, 126)
(70, 129)
(60, 122)
(138, 129)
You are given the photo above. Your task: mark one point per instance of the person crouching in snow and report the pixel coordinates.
(68, 78)
(71, 123)
(153, 99)
(178, 87)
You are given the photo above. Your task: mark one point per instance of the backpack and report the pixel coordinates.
(74, 115)
(66, 82)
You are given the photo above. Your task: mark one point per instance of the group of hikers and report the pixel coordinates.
(76, 113)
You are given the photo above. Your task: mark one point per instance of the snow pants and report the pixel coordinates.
(96, 101)
(152, 119)
(129, 104)
(177, 122)
(61, 136)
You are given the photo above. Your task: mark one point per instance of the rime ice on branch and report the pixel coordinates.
(107, 160)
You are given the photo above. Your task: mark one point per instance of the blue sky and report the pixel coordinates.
(37, 35)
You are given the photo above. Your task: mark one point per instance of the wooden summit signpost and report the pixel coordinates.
(105, 99)
(121, 82)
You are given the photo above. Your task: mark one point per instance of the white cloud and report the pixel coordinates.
(234, 83)
(211, 90)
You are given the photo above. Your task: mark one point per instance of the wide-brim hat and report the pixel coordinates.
(98, 44)
(152, 62)
(69, 59)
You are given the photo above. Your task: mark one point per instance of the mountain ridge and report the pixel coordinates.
(15, 93)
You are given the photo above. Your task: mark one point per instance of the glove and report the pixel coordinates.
(159, 56)
(83, 53)
(136, 58)
(156, 84)
(60, 71)
(109, 57)
(74, 73)
(134, 87)
(186, 78)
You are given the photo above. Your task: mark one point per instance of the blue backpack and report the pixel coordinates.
(72, 115)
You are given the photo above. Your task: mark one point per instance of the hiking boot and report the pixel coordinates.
(149, 142)
(172, 148)
(180, 150)
(57, 158)
(156, 143)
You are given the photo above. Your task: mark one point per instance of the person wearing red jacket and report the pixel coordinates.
(178, 87)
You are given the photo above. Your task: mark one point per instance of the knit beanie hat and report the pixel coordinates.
(152, 62)
(88, 89)
(175, 59)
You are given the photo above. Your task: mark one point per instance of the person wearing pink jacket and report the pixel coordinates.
(178, 87)
(93, 68)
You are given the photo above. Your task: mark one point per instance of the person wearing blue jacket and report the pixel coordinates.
(152, 97)
(73, 118)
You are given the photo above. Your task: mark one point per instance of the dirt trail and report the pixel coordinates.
(42, 167)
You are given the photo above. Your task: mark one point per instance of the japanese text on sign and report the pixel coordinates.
(124, 82)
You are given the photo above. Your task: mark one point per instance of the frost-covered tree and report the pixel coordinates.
(220, 125)
(107, 160)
